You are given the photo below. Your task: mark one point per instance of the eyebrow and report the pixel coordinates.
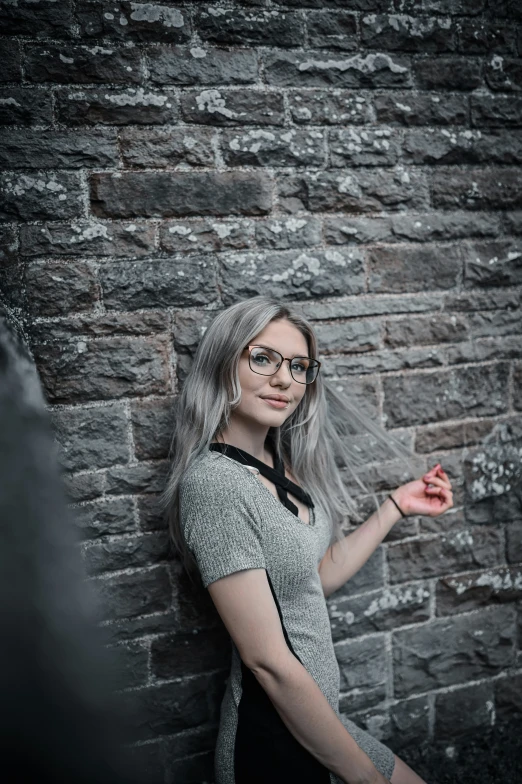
(262, 345)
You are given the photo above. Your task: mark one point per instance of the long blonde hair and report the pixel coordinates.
(316, 441)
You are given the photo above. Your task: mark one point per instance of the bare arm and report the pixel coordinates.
(352, 552)
(246, 606)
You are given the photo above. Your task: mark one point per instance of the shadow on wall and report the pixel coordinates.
(58, 721)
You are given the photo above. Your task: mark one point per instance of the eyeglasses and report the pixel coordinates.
(266, 361)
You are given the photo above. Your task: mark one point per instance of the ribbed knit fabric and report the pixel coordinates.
(231, 522)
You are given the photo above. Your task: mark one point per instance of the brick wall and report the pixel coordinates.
(358, 157)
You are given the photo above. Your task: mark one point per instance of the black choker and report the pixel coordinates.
(275, 475)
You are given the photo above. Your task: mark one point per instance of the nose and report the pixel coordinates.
(284, 375)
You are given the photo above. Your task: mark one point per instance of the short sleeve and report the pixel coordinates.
(218, 521)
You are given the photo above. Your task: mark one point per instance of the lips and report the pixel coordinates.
(280, 398)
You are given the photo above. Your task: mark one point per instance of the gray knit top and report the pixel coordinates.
(231, 521)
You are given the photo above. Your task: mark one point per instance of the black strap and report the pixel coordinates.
(275, 475)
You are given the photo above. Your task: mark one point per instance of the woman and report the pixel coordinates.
(256, 502)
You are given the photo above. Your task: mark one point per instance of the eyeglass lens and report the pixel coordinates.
(267, 362)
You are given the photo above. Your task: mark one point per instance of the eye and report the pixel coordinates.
(299, 367)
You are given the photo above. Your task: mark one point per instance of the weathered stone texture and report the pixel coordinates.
(83, 65)
(165, 147)
(155, 22)
(91, 438)
(92, 106)
(198, 65)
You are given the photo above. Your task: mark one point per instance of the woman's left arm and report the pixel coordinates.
(431, 495)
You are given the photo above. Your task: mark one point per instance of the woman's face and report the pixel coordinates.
(289, 342)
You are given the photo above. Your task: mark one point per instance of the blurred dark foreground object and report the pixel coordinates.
(59, 721)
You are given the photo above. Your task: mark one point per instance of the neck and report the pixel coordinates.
(249, 439)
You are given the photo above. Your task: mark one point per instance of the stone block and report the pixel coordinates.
(414, 268)
(463, 711)
(139, 478)
(476, 188)
(8, 247)
(88, 239)
(91, 438)
(400, 32)
(159, 284)
(206, 235)
(465, 592)
(362, 662)
(330, 107)
(421, 109)
(482, 300)
(369, 578)
(445, 553)
(191, 742)
(294, 274)
(184, 654)
(233, 107)
(100, 325)
(517, 387)
(126, 595)
(496, 263)
(504, 74)
(66, 64)
(457, 393)
(496, 111)
(452, 436)
(60, 289)
(443, 328)
(361, 700)
(152, 422)
(128, 21)
(103, 369)
(25, 106)
(83, 487)
(453, 650)
(363, 147)
(134, 106)
(202, 65)
(494, 509)
(165, 147)
(460, 147)
(55, 20)
(379, 611)
(105, 517)
(274, 148)
(451, 73)
(180, 194)
(258, 28)
(28, 149)
(333, 69)
(347, 336)
(130, 665)
(45, 196)
(127, 552)
(486, 37)
(332, 30)
(11, 61)
(508, 697)
(363, 190)
(514, 543)
(288, 233)
(410, 722)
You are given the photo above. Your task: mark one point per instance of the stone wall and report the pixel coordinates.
(360, 158)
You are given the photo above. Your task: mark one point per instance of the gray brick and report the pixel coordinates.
(133, 594)
(8, 247)
(43, 196)
(55, 20)
(357, 336)
(206, 235)
(460, 147)
(453, 650)
(139, 478)
(83, 487)
(517, 387)
(447, 394)
(165, 147)
(288, 233)
(107, 516)
(476, 189)
(400, 32)
(421, 109)
(410, 721)
(504, 74)
(179, 194)
(452, 436)
(101, 325)
(330, 108)
(496, 110)
(333, 29)
(103, 369)
(464, 711)
(152, 422)
(126, 553)
(486, 37)
(130, 665)
(362, 662)
(88, 238)
(363, 147)
(91, 438)
(442, 328)
(159, 284)
(181, 655)
(326, 69)
(25, 106)
(180, 65)
(451, 73)
(59, 289)
(508, 700)
(299, 274)
(155, 22)
(233, 107)
(495, 263)
(465, 592)
(414, 268)
(28, 149)
(11, 61)
(66, 64)
(274, 148)
(261, 28)
(139, 106)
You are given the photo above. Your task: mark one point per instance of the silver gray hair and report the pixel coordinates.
(316, 441)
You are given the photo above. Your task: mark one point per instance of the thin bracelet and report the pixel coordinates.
(397, 505)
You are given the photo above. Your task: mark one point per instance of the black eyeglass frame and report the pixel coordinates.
(290, 360)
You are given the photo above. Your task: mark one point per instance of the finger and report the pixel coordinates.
(437, 480)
